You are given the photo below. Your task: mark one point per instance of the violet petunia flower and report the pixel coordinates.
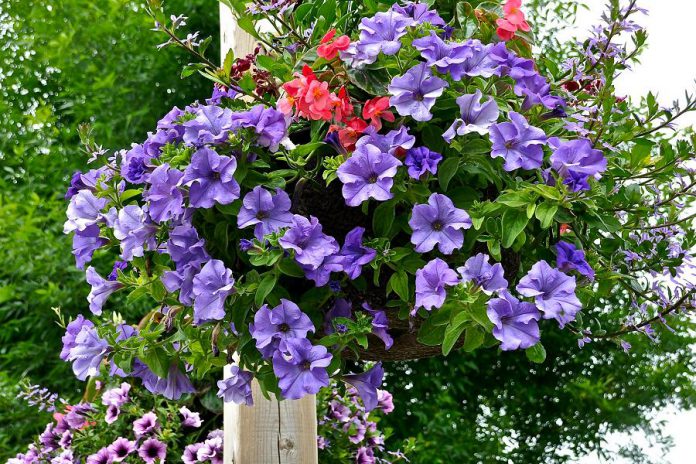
(576, 161)
(415, 93)
(152, 450)
(419, 12)
(367, 384)
(135, 164)
(84, 210)
(421, 160)
(535, 88)
(85, 243)
(71, 331)
(301, 369)
(101, 290)
(472, 59)
(114, 399)
(477, 269)
(190, 418)
(236, 387)
(476, 117)
(514, 322)
(380, 325)
(87, 353)
(431, 281)
(553, 292)
(355, 255)
(185, 247)
(211, 450)
(266, 212)
(211, 287)
(368, 173)
(211, 125)
(165, 199)
(310, 244)
(118, 266)
(438, 223)
(181, 280)
(190, 455)
(103, 456)
(146, 424)
(269, 124)
(365, 455)
(569, 258)
(121, 448)
(322, 274)
(385, 401)
(518, 143)
(210, 178)
(135, 230)
(341, 308)
(382, 33)
(272, 328)
(172, 387)
(395, 142)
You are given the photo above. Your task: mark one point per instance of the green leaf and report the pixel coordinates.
(399, 283)
(514, 222)
(545, 213)
(473, 338)
(265, 287)
(289, 267)
(452, 334)
(447, 170)
(383, 218)
(536, 353)
(156, 359)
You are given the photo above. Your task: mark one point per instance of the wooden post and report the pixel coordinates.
(270, 431)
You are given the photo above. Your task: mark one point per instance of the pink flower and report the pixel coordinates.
(377, 109)
(329, 47)
(513, 21)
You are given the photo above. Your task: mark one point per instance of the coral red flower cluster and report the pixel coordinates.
(513, 21)
(329, 48)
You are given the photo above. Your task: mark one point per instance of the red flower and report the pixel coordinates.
(329, 48)
(377, 109)
(565, 229)
(342, 106)
(349, 134)
(513, 21)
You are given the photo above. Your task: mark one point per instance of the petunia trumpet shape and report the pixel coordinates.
(438, 223)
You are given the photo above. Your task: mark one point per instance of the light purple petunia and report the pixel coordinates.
(71, 331)
(431, 281)
(472, 59)
(367, 384)
(121, 448)
(514, 322)
(85, 243)
(146, 424)
(211, 449)
(380, 325)
(355, 255)
(135, 164)
(182, 280)
(87, 353)
(135, 230)
(185, 247)
(419, 12)
(273, 327)
(301, 369)
(211, 125)
(421, 160)
(322, 274)
(576, 161)
(438, 223)
(415, 93)
(84, 210)
(475, 116)
(211, 287)
(236, 387)
(569, 258)
(101, 290)
(165, 199)
(310, 244)
(210, 178)
(394, 142)
(518, 143)
(436, 51)
(535, 88)
(553, 292)
(382, 33)
(266, 212)
(172, 387)
(189, 418)
(477, 269)
(368, 173)
(103, 456)
(269, 124)
(114, 399)
(152, 450)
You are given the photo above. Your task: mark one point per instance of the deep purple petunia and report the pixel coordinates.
(185, 247)
(310, 244)
(477, 269)
(236, 387)
(211, 125)
(84, 210)
(365, 455)
(210, 178)
(518, 143)
(514, 322)
(85, 243)
(165, 199)
(266, 212)
(576, 161)
(421, 160)
(269, 124)
(211, 287)
(355, 255)
(273, 327)
(189, 418)
(135, 230)
(475, 116)
(381, 33)
(553, 292)
(121, 448)
(152, 450)
(87, 353)
(438, 223)
(380, 325)
(220, 92)
(71, 331)
(368, 173)
(431, 281)
(415, 93)
(190, 455)
(101, 290)
(367, 384)
(341, 308)
(135, 164)
(535, 88)
(103, 456)
(118, 266)
(569, 258)
(394, 142)
(146, 424)
(322, 274)
(301, 369)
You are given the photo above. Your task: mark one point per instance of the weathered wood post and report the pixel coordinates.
(271, 431)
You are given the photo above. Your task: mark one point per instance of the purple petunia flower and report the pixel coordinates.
(576, 161)
(220, 92)
(84, 210)
(270, 125)
(114, 399)
(211, 287)
(310, 244)
(354, 254)
(394, 142)
(211, 124)
(190, 455)
(146, 424)
(211, 450)
(381, 33)
(419, 12)
(535, 88)
(71, 331)
(165, 199)
(368, 173)
(181, 280)
(476, 117)
(101, 290)
(569, 258)
(518, 143)
(515, 323)
(190, 418)
(185, 247)
(301, 370)
(438, 223)
(472, 59)
(87, 353)
(266, 212)
(436, 51)
(414, 93)
(172, 387)
(135, 230)
(431, 281)
(121, 448)
(477, 269)
(118, 266)
(380, 325)
(273, 327)
(85, 243)
(553, 291)
(151, 450)
(210, 178)
(103, 456)
(367, 384)
(421, 160)
(365, 455)
(340, 308)
(236, 387)
(385, 401)
(135, 164)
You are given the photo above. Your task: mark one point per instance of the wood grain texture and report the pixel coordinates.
(232, 37)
